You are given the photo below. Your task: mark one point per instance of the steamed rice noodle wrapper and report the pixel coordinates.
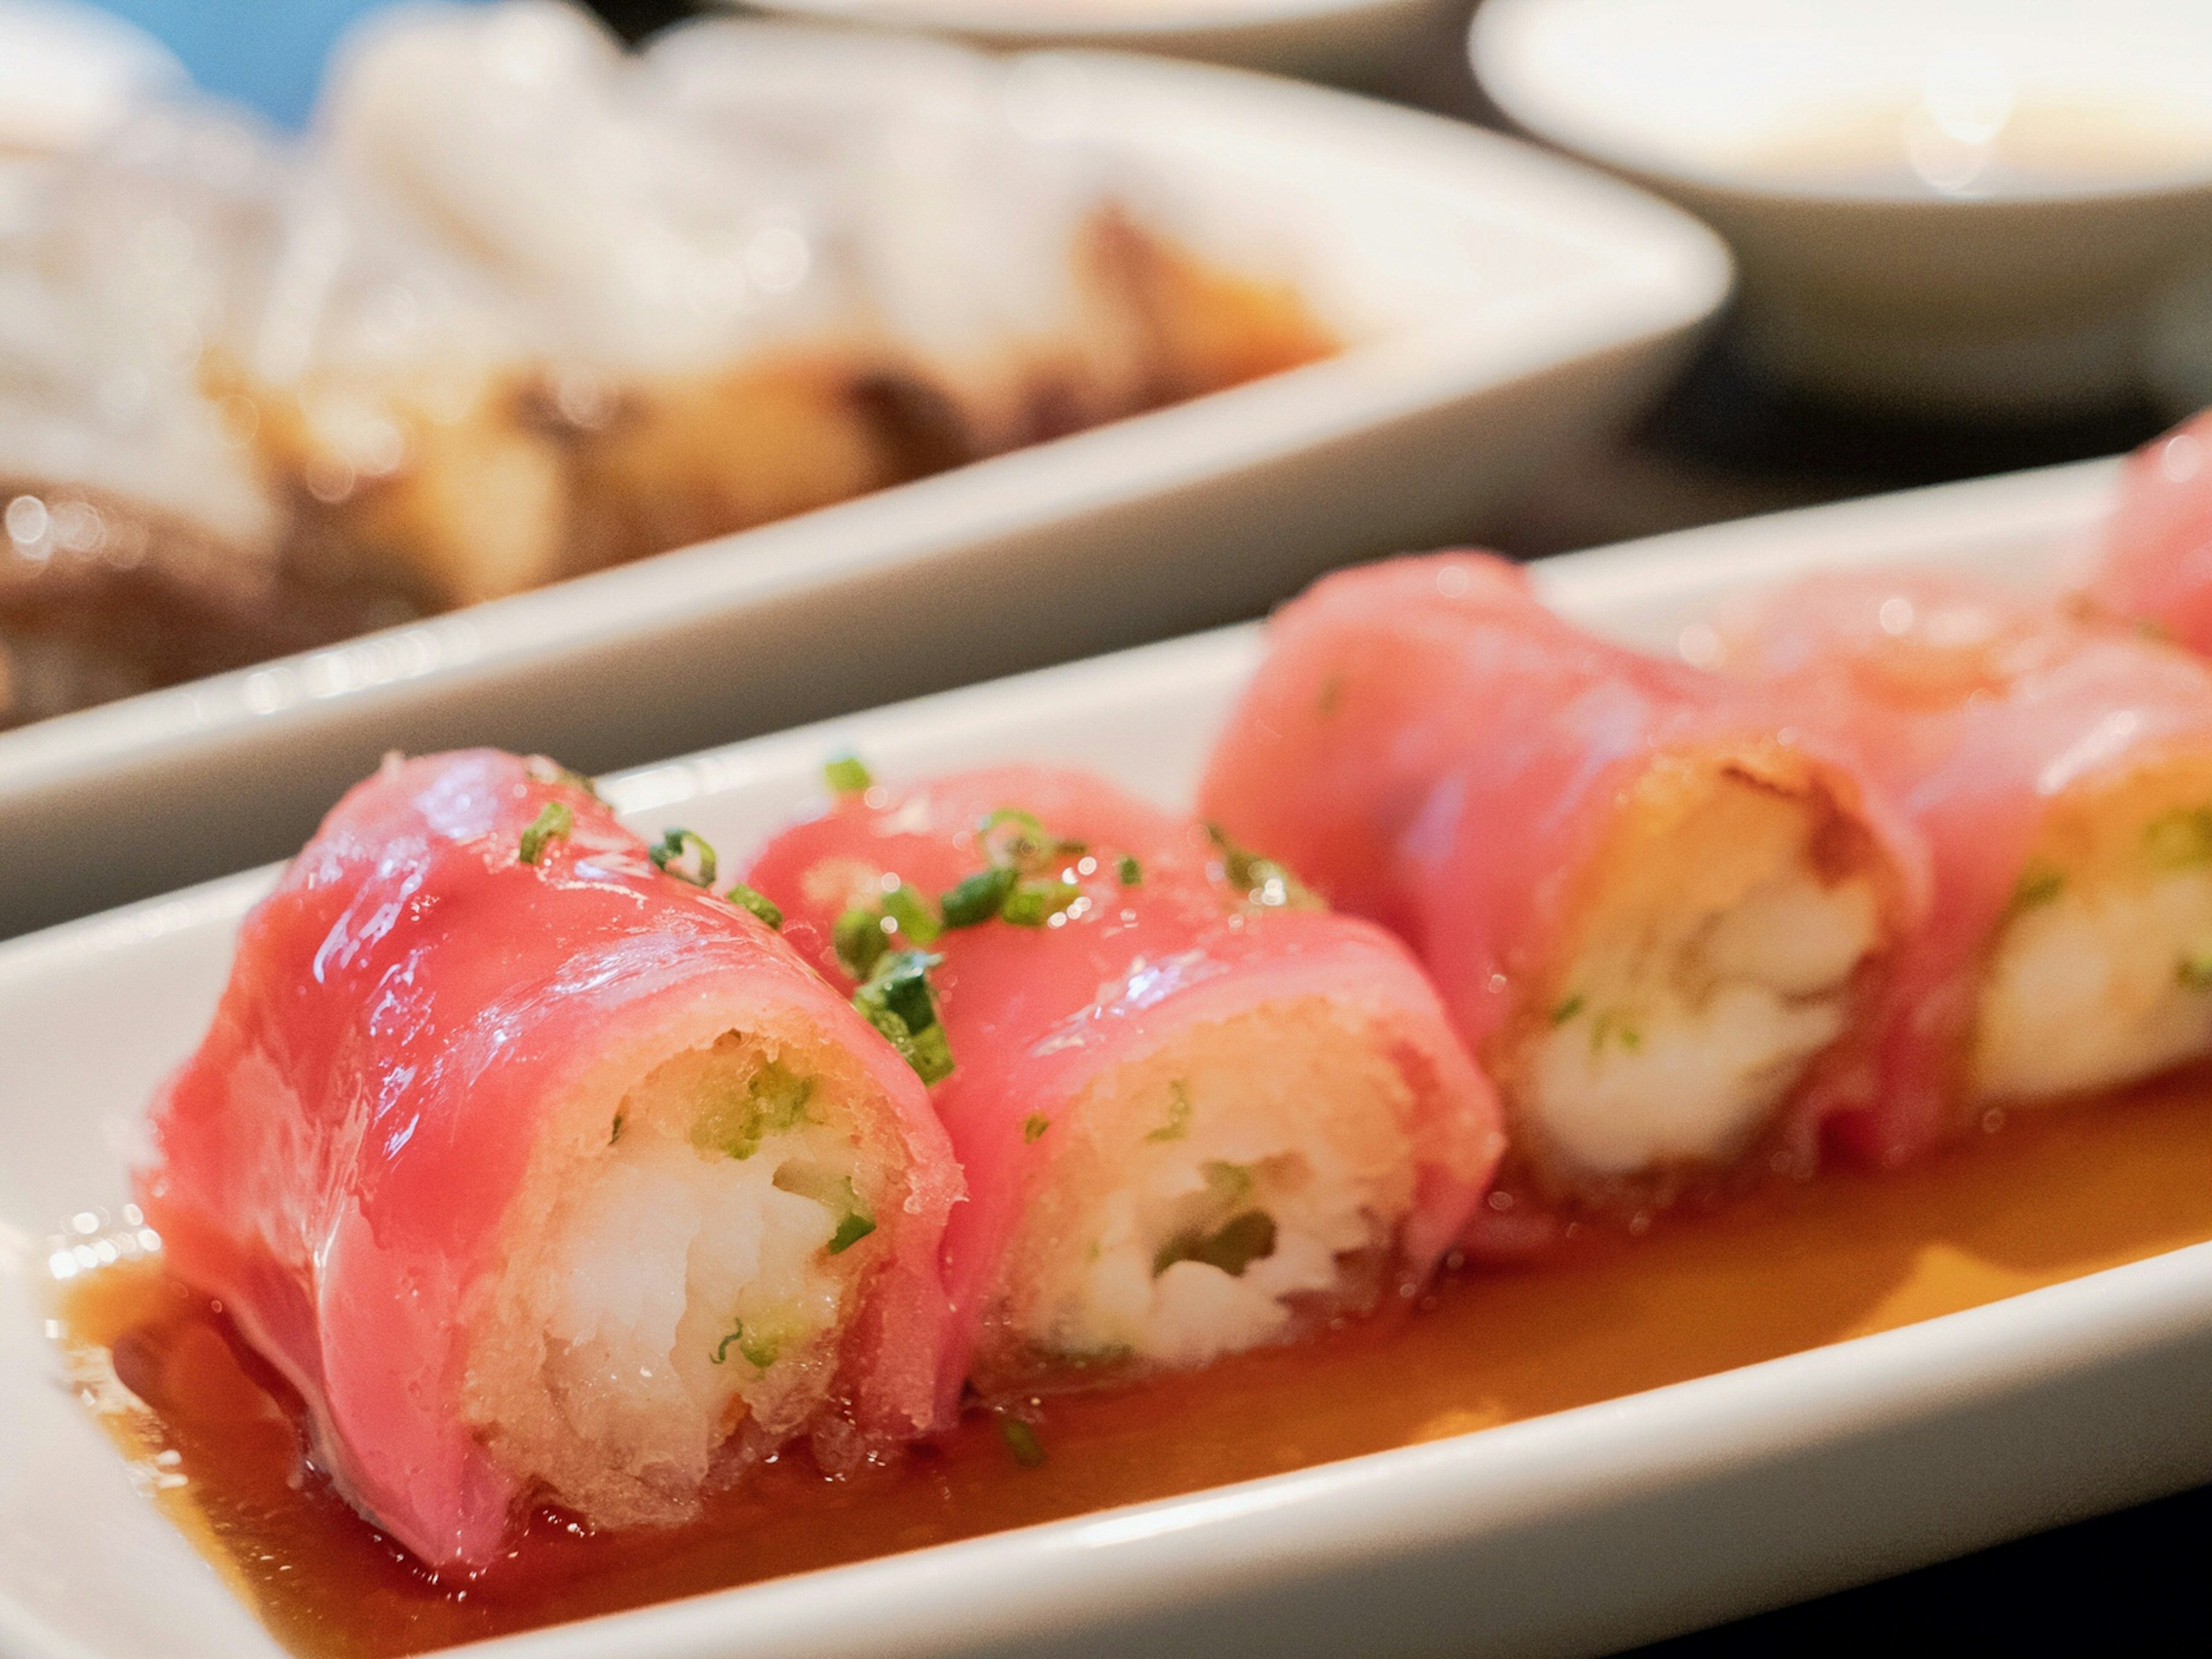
(1196, 1114)
(2156, 566)
(1041, 283)
(546, 1176)
(2061, 772)
(723, 293)
(1656, 911)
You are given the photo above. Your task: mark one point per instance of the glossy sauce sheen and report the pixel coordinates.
(2048, 1197)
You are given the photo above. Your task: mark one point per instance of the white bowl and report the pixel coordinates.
(1586, 1530)
(1344, 42)
(1967, 206)
(1503, 304)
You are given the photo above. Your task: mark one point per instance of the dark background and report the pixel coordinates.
(1725, 442)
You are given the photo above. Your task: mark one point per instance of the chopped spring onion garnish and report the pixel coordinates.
(773, 1102)
(1033, 903)
(1261, 881)
(1033, 1127)
(1612, 1028)
(1565, 1009)
(847, 776)
(1022, 1440)
(2179, 839)
(1132, 872)
(758, 1354)
(1178, 1123)
(1235, 1245)
(896, 999)
(554, 821)
(2195, 972)
(906, 907)
(850, 1232)
(977, 899)
(668, 855)
(615, 1134)
(1016, 839)
(762, 907)
(1019, 841)
(2036, 887)
(858, 938)
(832, 1192)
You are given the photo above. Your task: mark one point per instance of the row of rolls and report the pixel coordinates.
(521, 305)
(554, 1165)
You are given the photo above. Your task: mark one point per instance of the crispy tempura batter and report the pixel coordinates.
(2101, 973)
(684, 1256)
(1719, 944)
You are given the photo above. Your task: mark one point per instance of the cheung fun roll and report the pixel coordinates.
(1657, 911)
(2061, 771)
(1196, 1114)
(2156, 564)
(543, 1174)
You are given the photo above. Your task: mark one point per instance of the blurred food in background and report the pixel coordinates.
(1966, 208)
(523, 306)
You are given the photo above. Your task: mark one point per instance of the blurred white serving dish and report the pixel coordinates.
(1587, 1530)
(1967, 206)
(1346, 42)
(68, 73)
(1504, 305)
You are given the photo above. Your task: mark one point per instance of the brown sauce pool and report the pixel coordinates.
(2052, 1196)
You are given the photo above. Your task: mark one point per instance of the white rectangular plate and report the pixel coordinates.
(1583, 1530)
(1504, 303)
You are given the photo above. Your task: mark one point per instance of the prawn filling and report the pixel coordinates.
(1211, 1195)
(1715, 955)
(682, 1265)
(2101, 972)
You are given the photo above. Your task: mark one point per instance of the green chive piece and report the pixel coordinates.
(1178, 1123)
(1232, 1247)
(2180, 839)
(1230, 1184)
(896, 999)
(846, 774)
(858, 938)
(1022, 1440)
(930, 1053)
(832, 1192)
(1260, 881)
(2037, 887)
(977, 899)
(615, 1134)
(1332, 695)
(1033, 1127)
(1033, 903)
(671, 849)
(1566, 1010)
(758, 1353)
(911, 911)
(763, 907)
(1016, 839)
(2195, 972)
(553, 823)
(772, 1102)
(1132, 872)
(1612, 1027)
